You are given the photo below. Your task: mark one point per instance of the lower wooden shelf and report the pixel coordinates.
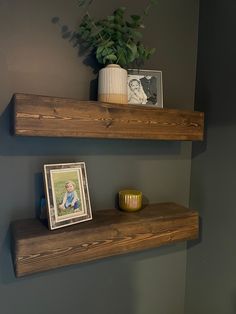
(111, 232)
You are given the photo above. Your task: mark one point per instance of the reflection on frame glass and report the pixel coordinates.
(67, 194)
(145, 87)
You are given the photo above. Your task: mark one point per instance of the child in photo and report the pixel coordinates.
(70, 198)
(136, 94)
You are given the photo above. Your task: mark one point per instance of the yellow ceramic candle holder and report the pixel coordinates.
(130, 200)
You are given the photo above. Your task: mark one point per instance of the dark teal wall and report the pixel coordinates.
(35, 59)
(211, 285)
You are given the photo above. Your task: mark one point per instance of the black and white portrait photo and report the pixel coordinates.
(145, 87)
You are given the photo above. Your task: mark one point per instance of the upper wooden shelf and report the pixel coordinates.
(111, 232)
(51, 116)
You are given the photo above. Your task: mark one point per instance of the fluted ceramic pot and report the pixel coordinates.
(130, 200)
(112, 85)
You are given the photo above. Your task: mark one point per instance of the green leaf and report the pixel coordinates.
(120, 11)
(154, 2)
(99, 49)
(152, 51)
(106, 51)
(100, 59)
(80, 3)
(109, 44)
(135, 34)
(146, 11)
(121, 56)
(111, 57)
(135, 17)
(148, 7)
(132, 47)
(132, 52)
(111, 18)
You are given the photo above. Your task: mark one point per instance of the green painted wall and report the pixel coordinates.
(35, 59)
(211, 285)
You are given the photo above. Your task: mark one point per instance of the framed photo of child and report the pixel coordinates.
(145, 87)
(67, 194)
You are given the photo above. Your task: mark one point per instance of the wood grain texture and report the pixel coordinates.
(111, 232)
(50, 116)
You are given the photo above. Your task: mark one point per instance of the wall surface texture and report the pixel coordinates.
(34, 58)
(211, 285)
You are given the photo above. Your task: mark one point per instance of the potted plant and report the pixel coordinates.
(116, 43)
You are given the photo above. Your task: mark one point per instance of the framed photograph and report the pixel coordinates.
(145, 87)
(67, 194)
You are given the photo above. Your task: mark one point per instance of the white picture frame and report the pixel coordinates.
(67, 194)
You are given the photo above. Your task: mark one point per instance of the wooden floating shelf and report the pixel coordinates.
(111, 232)
(51, 116)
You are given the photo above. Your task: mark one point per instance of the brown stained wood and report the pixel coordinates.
(51, 116)
(111, 232)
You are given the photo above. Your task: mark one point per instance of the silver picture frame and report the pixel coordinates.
(145, 87)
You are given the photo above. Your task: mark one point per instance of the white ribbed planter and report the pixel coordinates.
(112, 85)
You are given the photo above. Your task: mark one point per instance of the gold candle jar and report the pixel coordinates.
(130, 200)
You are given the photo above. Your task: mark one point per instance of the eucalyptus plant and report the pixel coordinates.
(115, 39)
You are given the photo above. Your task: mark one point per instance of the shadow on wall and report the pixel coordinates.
(201, 105)
(75, 41)
(6, 262)
(90, 59)
(197, 241)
